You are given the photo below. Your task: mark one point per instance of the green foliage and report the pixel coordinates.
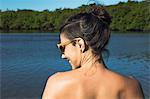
(129, 16)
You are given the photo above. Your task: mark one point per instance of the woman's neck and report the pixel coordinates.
(90, 63)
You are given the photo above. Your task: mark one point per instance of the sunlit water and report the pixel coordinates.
(27, 60)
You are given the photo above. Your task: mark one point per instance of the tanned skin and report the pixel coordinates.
(91, 80)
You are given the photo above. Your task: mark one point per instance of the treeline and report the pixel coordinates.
(129, 16)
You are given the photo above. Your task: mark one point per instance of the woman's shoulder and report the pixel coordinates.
(126, 81)
(129, 85)
(65, 77)
(133, 88)
(58, 85)
(121, 81)
(116, 77)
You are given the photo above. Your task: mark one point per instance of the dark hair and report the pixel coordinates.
(92, 27)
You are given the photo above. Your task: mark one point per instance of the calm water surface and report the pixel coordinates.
(28, 59)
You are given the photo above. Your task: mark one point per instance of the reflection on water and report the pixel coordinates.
(28, 59)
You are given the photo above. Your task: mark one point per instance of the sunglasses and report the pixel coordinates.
(62, 46)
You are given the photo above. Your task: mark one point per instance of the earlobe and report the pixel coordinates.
(81, 44)
(83, 51)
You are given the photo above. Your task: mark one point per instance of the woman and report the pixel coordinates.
(84, 37)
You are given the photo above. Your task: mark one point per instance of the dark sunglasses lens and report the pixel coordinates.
(62, 49)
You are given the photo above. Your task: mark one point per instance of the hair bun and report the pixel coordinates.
(101, 14)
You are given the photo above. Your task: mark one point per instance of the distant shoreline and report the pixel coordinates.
(40, 31)
(126, 16)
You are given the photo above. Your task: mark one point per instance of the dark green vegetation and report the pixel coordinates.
(129, 16)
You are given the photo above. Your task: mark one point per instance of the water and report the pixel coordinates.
(28, 59)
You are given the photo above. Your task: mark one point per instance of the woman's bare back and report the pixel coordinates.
(95, 85)
(107, 85)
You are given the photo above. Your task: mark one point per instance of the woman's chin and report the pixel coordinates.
(72, 66)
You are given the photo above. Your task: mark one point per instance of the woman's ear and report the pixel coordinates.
(81, 44)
